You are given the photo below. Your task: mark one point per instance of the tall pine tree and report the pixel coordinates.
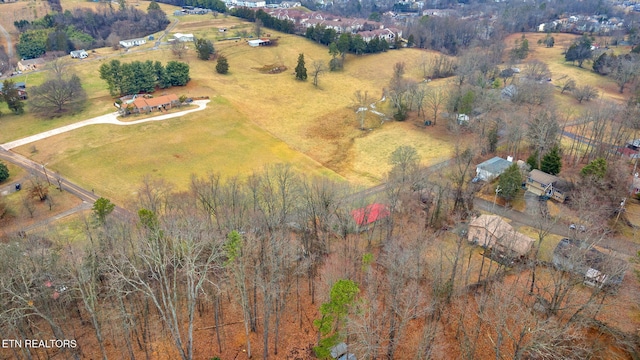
(552, 162)
(301, 71)
(510, 182)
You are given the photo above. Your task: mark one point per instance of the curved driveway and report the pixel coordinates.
(103, 119)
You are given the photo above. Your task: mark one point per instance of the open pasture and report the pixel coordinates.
(254, 119)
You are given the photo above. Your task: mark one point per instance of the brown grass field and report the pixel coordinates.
(554, 58)
(254, 118)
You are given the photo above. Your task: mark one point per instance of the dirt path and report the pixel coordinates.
(7, 37)
(103, 119)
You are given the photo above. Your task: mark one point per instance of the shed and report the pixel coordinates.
(259, 42)
(492, 168)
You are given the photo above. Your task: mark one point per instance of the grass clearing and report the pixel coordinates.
(554, 58)
(547, 245)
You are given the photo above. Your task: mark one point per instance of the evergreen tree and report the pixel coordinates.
(596, 168)
(4, 172)
(222, 66)
(301, 71)
(492, 139)
(532, 160)
(204, 48)
(579, 51)
(178, 73)
(510, 182)
(11, 96)
(552, 162)
(153, 5)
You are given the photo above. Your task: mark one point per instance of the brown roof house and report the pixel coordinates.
(164, 102)
(31, 64)
(543, 184)
(492, 232)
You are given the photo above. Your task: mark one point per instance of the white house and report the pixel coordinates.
(78, 54)
(183, 37)
(133, 42)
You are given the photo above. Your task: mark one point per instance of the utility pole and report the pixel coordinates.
(624, 200)
(495, 198)
(45, 174)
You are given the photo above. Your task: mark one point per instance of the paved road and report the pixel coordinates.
(84, 206)
(88, 197)
(39, 170)
(624, 248)
(103, 119)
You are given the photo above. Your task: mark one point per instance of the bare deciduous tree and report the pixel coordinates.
(318, 68)
(179, 48)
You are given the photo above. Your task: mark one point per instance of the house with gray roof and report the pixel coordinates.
(492, 168)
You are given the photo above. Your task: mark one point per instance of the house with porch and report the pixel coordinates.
(543, 184)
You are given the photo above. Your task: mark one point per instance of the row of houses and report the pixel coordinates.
(583, 23)
(538, 182)
(367, 29)
(573, 255)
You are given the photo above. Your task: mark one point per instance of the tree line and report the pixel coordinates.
(84, 28)
(268, 21)
(143, 77)
(346, 42)
(215, 5)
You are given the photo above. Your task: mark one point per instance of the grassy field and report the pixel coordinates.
(254, 118)
(548, 244)
(554, 58)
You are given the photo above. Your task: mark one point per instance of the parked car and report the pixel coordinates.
(580, 228)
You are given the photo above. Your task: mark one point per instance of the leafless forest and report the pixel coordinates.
(239, 268)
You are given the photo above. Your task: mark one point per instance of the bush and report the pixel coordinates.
(222, 67)
(4, 172)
